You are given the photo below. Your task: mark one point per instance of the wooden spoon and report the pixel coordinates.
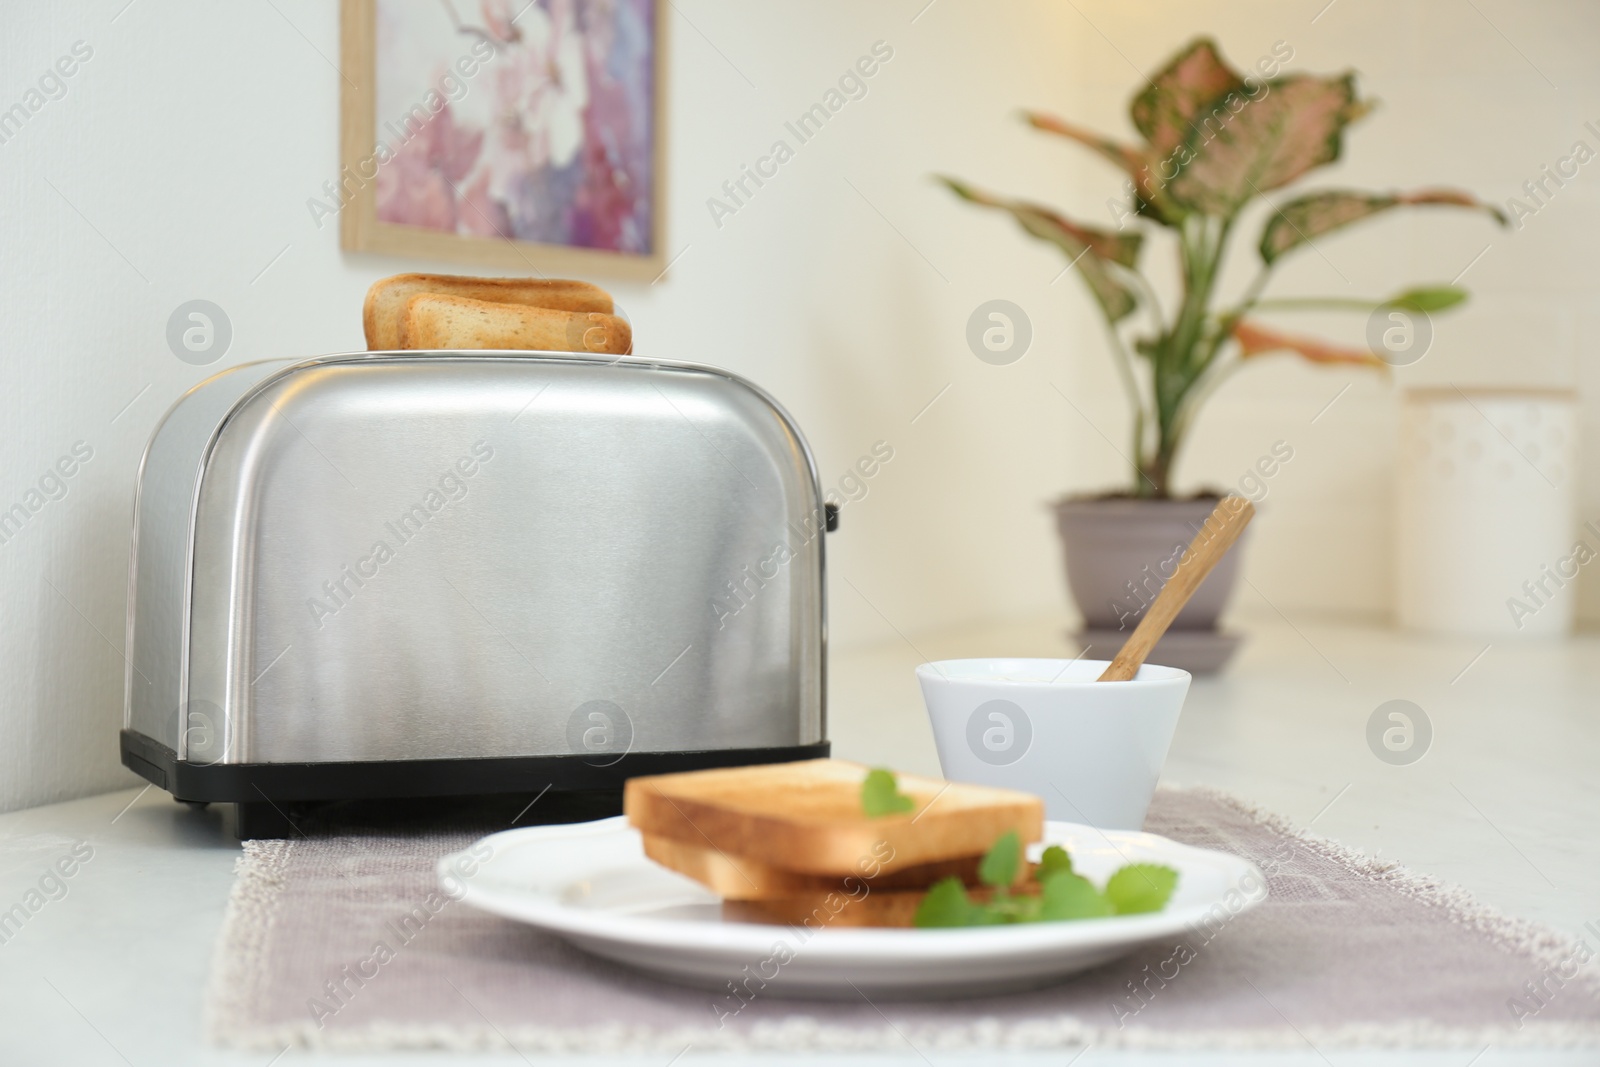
(1221, 529)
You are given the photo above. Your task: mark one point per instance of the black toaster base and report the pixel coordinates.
(275, 783)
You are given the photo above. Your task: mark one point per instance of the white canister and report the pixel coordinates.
(1487, 527)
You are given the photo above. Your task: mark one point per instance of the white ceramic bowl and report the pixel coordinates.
(1092, 750)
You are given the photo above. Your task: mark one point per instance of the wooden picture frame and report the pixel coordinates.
(361, 230)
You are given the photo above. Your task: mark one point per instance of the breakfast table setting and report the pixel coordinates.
(825, 907)
(1056, 884)
(154, 925)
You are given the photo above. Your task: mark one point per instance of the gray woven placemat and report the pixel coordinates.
(341, 940)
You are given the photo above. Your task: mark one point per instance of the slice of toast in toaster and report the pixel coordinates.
(386, 299)
(433, 320)
(807, 816)
(741, 878)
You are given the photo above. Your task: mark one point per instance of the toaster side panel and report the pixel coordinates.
(159, 567)
(477, 557)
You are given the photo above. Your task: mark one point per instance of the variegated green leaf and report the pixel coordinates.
(1257, 340)
(1428, 298)
(1167, 107)
(1309, 217)
(1089, 248)
(1120, 155)
(1258, 143)
(1150, 199)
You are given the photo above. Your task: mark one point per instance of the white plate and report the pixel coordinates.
(591, 884)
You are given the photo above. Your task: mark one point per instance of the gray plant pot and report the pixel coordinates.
(1119, 553)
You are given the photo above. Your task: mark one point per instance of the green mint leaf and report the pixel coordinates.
(947, 904)
(880, 795)
(1004, 908)
(1141, 887)
(1055, 858)
(1000, 863)
(1069, 896)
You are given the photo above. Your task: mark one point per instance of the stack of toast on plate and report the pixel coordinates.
(794, 843)
(443, 311)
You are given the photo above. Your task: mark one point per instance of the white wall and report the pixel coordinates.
(179, 161)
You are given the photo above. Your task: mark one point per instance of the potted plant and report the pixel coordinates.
(1213, 142)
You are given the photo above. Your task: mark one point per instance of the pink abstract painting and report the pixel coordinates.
(527, 119)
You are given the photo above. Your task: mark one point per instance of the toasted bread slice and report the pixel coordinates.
(839, 908)
(434, 321)
(386, 299)
(821, 911)
(739, 878)
(807, 817)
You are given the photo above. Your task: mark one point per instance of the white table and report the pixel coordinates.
(1504, 803)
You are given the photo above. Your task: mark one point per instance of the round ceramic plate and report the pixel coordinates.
(591, 884)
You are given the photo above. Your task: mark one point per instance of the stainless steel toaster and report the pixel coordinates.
(458, 573)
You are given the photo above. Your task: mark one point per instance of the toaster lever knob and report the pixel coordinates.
(831, 517)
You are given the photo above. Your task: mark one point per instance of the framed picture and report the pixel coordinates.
(524, 134)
